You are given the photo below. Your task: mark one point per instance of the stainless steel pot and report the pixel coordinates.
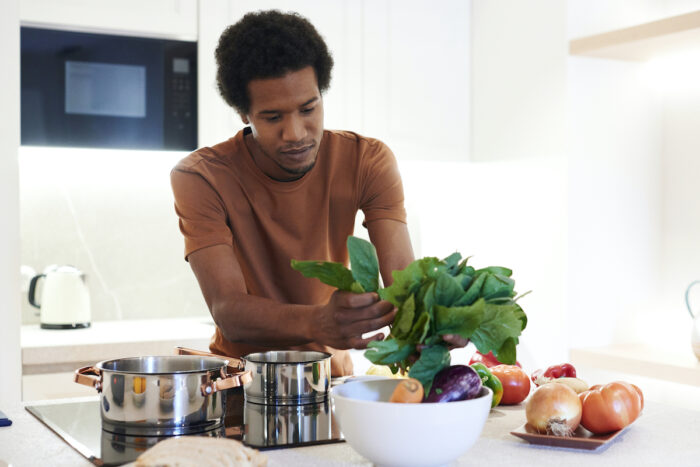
(282, 377)
(162, 395)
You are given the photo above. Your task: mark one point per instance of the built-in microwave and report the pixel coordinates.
(84, 89)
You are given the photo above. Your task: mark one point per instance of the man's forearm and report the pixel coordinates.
(255, 320)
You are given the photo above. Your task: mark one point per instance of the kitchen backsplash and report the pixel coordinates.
(110, 214)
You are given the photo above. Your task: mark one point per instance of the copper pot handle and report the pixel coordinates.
(89, 376)
(227, 382)
(237, 363)
(238, 377)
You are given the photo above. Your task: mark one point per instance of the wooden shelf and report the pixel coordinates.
(644, 41)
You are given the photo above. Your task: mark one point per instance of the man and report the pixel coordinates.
(284, 188)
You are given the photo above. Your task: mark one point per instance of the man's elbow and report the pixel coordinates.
(224, 318)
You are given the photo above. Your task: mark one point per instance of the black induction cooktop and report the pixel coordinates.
(258, 426)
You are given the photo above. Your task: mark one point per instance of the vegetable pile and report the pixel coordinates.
(434, 297)
(562, 401)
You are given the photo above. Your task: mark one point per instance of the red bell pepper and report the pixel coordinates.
(489, 359)
(564, 370)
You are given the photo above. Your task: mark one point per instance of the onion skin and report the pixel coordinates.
(577, 384)
(554, 408)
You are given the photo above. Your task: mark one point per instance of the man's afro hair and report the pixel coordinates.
(268, 44)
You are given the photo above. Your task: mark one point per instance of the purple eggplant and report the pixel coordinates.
(455, 383)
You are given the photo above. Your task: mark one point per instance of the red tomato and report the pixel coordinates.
(516, 383)
(610, 407)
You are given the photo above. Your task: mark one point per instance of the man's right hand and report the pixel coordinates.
(347, 316)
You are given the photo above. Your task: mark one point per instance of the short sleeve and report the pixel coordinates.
(203, 218)
(381, 190)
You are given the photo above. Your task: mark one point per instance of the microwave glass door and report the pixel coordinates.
(99, 90)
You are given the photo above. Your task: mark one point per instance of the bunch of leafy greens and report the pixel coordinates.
(433, 297)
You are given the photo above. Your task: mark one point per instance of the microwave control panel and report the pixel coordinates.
(180, 119)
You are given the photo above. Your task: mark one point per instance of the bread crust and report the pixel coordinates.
(201, 451)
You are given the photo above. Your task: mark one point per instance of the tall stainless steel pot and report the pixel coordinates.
(162, 395)
(282, 377)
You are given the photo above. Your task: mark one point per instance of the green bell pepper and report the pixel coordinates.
(489, 380)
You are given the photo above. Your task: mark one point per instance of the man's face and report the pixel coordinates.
(286, 118)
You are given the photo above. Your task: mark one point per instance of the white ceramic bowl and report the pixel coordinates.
(407, 435)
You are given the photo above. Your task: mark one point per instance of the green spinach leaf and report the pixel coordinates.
(388, 351)
(472, 292)
(463, 320)
(495, 270)
(447, 290)
(406, 282)
(364, 263)
(506, 353)
(452, 263)
(500, 322)
(333, 274)
(420, 329)
(497, 286)
(403, 322)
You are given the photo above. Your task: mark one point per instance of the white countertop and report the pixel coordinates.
(663, 435)
(49, 350)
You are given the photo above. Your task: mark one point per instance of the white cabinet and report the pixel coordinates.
(401, 70)
(518, 80)
(175, 19)
(416, 60)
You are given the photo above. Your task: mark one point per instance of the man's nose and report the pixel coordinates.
(293, 129)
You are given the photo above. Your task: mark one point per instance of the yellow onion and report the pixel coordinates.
(554, 409)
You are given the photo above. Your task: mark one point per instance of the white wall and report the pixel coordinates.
(634, 210)
(614, 201)
(681, 211)
(518, 115)
(10, 363)
(519, 79)
(176, 19)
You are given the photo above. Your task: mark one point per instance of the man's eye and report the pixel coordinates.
(308, 110)
(273, 118)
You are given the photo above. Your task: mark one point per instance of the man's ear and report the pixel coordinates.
(244, 118)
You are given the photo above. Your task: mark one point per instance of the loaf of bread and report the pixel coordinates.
(201, 451)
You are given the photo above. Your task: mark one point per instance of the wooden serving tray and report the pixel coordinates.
(581, 438)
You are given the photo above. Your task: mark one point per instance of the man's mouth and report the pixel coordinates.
(297, 152)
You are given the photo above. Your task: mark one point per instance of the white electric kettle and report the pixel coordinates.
(65, 299)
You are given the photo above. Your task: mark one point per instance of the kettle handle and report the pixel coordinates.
(687, 299)
(32, 290)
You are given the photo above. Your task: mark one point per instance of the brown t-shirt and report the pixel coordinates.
(222, 197)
